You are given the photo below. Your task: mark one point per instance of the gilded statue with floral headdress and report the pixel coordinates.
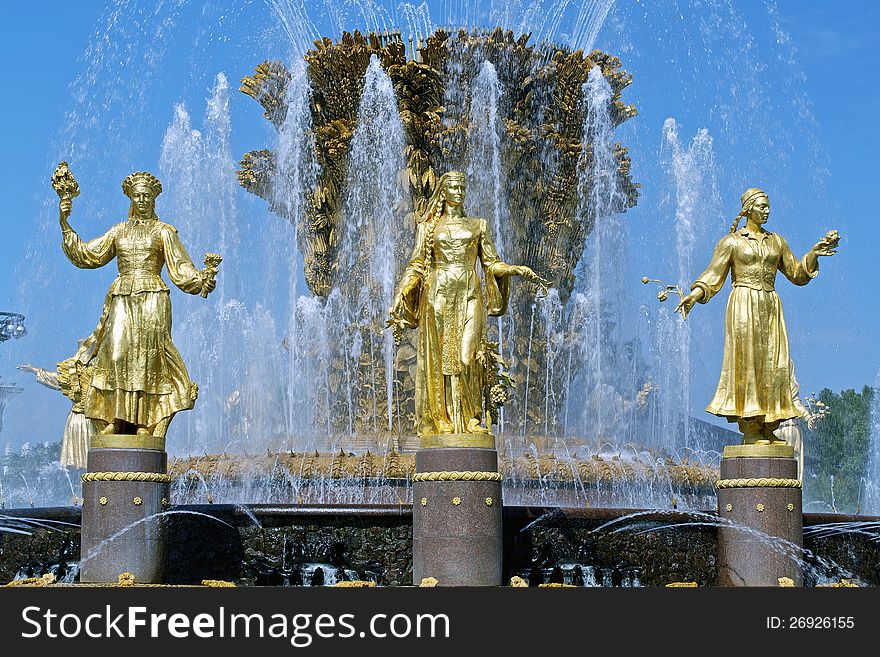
(440, 293)
(127, 376)
(755, 386)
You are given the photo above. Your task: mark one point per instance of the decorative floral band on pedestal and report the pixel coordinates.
(151, 477)
(761, 482)
(457, 476)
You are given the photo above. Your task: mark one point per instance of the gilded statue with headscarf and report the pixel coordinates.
(755, 386)
(440, 293)
(127, 376)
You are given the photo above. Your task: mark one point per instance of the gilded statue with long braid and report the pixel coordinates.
(127, 376)
(755, 386)
(440, 293)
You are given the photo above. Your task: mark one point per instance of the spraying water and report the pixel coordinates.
(596, 314)
(871, 499)
(486, 177)
(238, 364)
(692, 176)
(374, 237)
(295, 175)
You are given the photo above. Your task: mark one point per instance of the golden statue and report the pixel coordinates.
(440, 293)
(755, 387)
(127, 376)
(78, 429)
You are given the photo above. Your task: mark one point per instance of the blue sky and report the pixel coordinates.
(811, 72)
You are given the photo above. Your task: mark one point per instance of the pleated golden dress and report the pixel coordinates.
(449, 309)
(135, 373)
(755, 381)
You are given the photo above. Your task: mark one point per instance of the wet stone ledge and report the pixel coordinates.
(616, 547)
(267, 545)
(34, 542)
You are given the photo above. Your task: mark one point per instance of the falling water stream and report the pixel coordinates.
(485, 175)
(871, 494)
(691, 171)
(596, 312)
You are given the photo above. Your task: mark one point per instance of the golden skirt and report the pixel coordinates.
(137, 374)
(755, 381)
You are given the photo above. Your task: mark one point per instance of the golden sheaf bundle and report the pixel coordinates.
(63, 182)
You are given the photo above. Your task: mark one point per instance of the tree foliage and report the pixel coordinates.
(836, 452)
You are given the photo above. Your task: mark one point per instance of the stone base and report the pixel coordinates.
(457, 517)
(760, 503)
(458, 440)
(123, 491)
(773, 450)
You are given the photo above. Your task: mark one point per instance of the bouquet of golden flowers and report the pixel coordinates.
(212, 262)
(64, 183)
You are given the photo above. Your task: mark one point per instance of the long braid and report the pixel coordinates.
(434, 210)
(735, 223)
(432, 222)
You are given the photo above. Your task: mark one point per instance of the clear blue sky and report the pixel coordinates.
(694, 71)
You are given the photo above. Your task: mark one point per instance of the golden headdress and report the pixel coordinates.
(749, 196)
(141, 178)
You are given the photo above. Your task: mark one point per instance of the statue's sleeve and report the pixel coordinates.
(416, 266)
(794, 270)
(712, 280)
(89, 255)
(47, 378)
(180, 267)
(497, 287)
(415, 270)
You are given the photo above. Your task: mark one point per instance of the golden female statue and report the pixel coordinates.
(440, 293)
(128, 376)
(78, 429)
(755, 387)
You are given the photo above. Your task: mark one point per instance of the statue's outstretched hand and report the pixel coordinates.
(395, 318)
(209, 273)
(528, 274)
(828, 245)
(396, 309)
(397, 306)
(685, 305)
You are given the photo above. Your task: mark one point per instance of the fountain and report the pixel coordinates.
(871, 504)
(496, 114)
(11, 326)
(312, 404)
(7, 390)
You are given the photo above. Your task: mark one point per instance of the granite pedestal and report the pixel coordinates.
(457, 516)
(760, 505)
(124, 490)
